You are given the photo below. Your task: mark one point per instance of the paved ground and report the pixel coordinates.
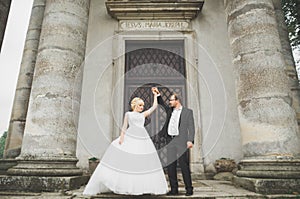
(210, 189)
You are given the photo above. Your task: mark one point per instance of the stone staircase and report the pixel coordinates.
(203, 189)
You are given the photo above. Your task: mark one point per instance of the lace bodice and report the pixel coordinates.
(135, 119)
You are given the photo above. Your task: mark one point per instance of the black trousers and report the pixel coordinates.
(173, 151)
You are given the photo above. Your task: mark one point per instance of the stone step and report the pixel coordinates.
(179, 196)
(209, 189)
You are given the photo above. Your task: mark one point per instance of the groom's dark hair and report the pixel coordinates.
(176, 96)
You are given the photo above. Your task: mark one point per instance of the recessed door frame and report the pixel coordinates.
(192, 84)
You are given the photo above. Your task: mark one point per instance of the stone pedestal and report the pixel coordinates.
(279, 175)
(39, 184)
(37, 175)
(46, 167)
(5, 164)
(269, 186)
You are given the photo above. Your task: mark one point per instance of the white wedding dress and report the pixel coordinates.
(131, 168)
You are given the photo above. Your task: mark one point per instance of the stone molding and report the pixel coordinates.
(46, 167)
(268, 186)
(280, 168)
(154, 25)
(38, 184)
(272, 175)
(159, 9)
(5, 164)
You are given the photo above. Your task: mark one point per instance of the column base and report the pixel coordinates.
(6, 164)
(269, 175)
(40, 184)
(46, 167)
(268, 186)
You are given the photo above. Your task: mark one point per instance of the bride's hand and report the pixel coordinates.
(121, 140)
(154, 91)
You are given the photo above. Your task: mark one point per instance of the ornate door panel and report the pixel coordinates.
(154, 63)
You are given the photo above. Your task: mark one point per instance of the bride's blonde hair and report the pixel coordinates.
(135, 101)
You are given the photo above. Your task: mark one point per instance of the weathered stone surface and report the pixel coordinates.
(225, 165)
(33, 166)
(50, 122)
(279, 136)
(49, 143)
(287, 54)
(164, 9)
(227, 176)
(5, 164)
(269, 186)
(267, 118)
(39, 184)
(14, 143)
(21, 100)
(276, 175)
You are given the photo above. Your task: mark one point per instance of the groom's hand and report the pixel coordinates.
(189, 145)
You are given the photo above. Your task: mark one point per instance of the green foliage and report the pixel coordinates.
(2, 143)
(291, 9)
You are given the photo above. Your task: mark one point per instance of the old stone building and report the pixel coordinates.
(85, 59)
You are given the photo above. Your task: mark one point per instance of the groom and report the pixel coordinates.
(180, 130)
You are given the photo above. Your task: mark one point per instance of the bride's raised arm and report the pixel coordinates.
(154, 106)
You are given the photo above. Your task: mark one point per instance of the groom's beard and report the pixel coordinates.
(171, 106)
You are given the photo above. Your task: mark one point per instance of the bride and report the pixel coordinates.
(130, 164)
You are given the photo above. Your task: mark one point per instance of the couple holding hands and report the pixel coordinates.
(131, 164)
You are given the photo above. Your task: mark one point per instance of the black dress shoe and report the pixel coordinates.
(189, 193)
(172, 193)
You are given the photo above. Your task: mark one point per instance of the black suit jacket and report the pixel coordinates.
(186, 123)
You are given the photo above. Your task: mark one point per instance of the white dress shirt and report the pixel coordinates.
(174, 122)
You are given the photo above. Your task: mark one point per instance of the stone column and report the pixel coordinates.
(18, 116)
(49, 142)
(268, 120)
(286, 51)
(4, 10)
